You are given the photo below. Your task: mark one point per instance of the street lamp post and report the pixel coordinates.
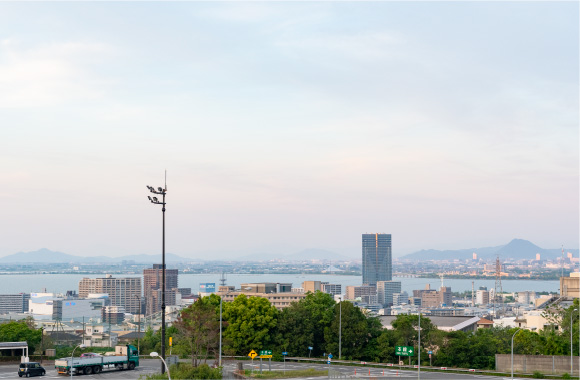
(513, 336)
(81, 346)
(156, 355)
(340, 330)
(571, 344)
(138, 323)
(154, 200)
(220, 354)
(419, 349)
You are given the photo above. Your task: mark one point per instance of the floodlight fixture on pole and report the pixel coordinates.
(154, 200)
(81, 346)
(156, 355)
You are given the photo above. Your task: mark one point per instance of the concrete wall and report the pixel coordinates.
(531, 363)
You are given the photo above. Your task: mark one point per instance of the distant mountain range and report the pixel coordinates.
(44, 255)
(515, 249)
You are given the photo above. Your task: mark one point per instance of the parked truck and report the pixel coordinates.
(126, 357)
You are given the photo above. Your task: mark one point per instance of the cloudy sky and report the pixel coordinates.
(287, 125)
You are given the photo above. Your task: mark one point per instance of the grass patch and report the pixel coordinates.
(310, 372)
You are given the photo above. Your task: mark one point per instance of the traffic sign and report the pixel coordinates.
(328, 362)
(284, 353)
(404, 351)
(310, 348)
(430, 352)
(252, 354)
(265, 354)
(330, 356)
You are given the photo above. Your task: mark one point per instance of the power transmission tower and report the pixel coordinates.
(498, 289)
(223, 279)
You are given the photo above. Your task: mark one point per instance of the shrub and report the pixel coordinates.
(538, 375)
(187, 371)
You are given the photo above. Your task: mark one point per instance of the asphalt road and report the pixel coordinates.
(147, 366)
(357, 372)
(10, 371)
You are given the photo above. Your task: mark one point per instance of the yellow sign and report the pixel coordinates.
(266, 356)
(253, 354)
(170, 341)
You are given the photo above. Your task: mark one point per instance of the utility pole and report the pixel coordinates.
(340, 330)
(419, 348)
(138, 323)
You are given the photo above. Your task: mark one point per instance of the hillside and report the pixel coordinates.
(44, 255)
(515, 249)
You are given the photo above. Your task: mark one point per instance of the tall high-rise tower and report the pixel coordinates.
(377, 262)
(152, 279)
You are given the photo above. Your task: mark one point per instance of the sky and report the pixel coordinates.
(286, 126)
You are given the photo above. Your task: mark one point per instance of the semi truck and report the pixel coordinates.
(126, 357)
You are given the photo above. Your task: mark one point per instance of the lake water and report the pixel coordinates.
(60, 283)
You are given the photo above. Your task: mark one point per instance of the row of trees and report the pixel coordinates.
(251, 323)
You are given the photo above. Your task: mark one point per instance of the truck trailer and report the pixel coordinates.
(126, 357)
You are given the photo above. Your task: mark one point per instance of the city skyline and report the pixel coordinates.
(288, 126)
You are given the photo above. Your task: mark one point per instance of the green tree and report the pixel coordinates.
(251, 323)
(386, 347)
(359, 333)
(302, 324)
(151, 341)
(20, 331)
(406, 333)
(197, 325)
(475, 350)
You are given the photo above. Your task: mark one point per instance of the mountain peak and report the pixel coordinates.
(519, 248)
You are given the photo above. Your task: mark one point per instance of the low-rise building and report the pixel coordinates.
(385, 291)
(14, 303)
(570, 286)
(354, 292)
(400, 298)
(278, 294)
(50, 306)
(99, 336)
(445, 323)
(334, 289)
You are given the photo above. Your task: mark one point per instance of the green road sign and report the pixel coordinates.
(265, 354)
(404, 351)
